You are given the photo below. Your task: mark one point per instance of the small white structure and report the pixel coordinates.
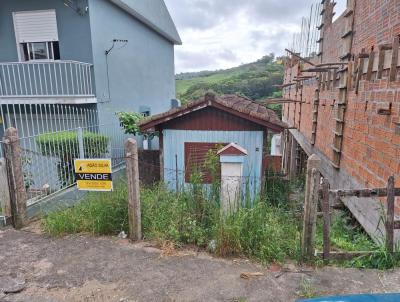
(276, 145)
(231, 159)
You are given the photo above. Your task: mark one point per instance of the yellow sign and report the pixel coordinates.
(93, 174)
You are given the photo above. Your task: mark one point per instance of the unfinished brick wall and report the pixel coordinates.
(371, 138)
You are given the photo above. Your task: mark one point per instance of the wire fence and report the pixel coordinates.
(51, 137)
(273, 186)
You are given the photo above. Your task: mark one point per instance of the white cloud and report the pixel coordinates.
(225, 33)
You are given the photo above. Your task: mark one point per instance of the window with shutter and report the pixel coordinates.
(37, 35)
(195, 159)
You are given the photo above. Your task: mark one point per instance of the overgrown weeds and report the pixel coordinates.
(268, 230)
(97, 214)
(264, 232)
(347, 235)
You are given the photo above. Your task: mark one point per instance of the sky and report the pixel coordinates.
(219, 34)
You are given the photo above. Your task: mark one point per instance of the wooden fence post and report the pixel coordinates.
(132, 173)
(4, 189)
(18, 196)
(310, 206)
(390, 215)
(326, 209)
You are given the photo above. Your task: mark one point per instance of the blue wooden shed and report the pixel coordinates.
(187, 134)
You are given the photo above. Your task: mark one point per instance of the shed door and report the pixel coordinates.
(36, 26)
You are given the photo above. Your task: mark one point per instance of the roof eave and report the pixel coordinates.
(175, 40)
(151, 125)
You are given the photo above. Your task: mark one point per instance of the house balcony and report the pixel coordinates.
(47, 82)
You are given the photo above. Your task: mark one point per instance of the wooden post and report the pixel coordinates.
(327, 219)
(390, 215)
(370, 65)
(132, 173)
(18, 196)
(395, 57)
(310, 206)
(4, 189)
(381, 61)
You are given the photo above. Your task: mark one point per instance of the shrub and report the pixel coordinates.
(130, 121)
(65, 146)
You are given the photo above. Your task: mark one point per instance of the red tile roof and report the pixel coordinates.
(234, 104)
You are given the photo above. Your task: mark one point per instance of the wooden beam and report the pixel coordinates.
(327, 219)
(389, 222)
(360, 70)
(284, 85)
(341, 256)
(299, 57)
(370, 65)
(303, 78)
(331, 64)
(381, 58)
(279, 101)
(378, 192)
(395, 57)
(317, 69)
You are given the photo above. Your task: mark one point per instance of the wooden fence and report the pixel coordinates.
(319, 195)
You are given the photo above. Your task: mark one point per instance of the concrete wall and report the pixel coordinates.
(73, 29)
(140, 74)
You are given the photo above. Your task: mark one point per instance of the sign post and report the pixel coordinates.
(93, 174)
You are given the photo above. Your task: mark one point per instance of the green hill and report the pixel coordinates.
(254, 80)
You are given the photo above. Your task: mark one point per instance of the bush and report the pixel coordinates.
(65, 146)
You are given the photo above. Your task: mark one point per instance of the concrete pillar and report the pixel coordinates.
(231, 158)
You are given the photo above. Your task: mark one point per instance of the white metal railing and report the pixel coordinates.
(46, 79)
(52, 135)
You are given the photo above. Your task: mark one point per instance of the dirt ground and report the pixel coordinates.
(34, 267)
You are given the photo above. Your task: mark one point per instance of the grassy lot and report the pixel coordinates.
(263, 232)
(268, 231)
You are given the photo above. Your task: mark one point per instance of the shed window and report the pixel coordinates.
(196, 155)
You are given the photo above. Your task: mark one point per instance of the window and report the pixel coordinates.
(36, 35)
(40, 51)
(195, 160)
(145, 111)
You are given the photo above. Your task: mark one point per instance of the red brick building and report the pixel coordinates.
(344, 103)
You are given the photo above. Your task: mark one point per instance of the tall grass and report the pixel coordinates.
(268, 230)
(347, 235)
(98, 214)
(263, 232)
